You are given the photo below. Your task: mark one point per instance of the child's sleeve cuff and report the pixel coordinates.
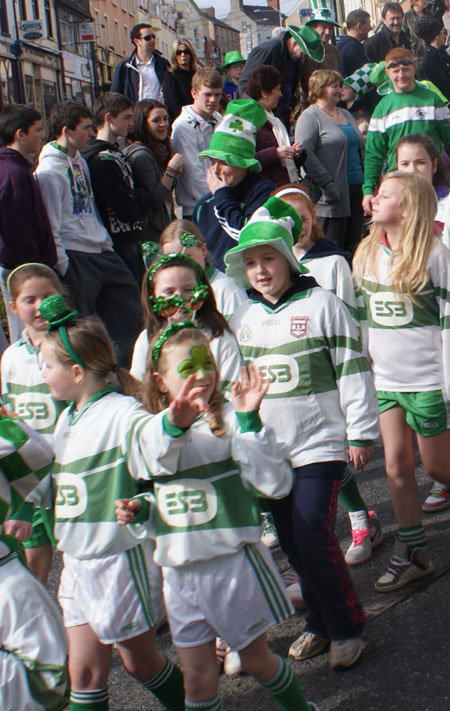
(249, 421)
(360, 443)
(172, 430)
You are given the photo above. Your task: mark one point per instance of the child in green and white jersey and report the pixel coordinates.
(208, 462)
(110, 590)
(403, 274)
(329, 266)
(321, 403)
(184, 236)
(25, 392)
(175, 288)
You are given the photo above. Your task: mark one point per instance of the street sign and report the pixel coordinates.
(305, 12)
(87, 31)
(31, 29)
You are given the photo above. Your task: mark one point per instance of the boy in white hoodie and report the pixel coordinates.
(98, 279)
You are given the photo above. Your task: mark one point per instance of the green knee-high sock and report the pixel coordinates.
(413, 537)
(285, 688)
(211, 705)
(168, 687)
(349, 494)
(93, 700)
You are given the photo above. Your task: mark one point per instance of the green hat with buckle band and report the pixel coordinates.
(322, 12)
(231, 58)
(309, 40)
(275, 224)
(234, 140)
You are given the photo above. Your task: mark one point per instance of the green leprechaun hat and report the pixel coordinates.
(234, 140)
(360, 81)
(322, 11)
(309, 40)
(231, 58)
(275, 224)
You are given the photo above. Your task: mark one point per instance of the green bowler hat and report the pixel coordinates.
(275, 224)
(231, 58)
(309, 40)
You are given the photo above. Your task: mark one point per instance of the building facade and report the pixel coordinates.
(113, 22)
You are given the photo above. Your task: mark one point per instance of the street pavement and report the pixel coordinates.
(405, 664)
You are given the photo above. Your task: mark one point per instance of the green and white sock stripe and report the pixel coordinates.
(281, 680)
(270, 587)
(138, 569)
(414, 537)
(212, 705)
(161, 677)
(92, 700)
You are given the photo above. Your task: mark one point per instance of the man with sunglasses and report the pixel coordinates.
(141, 75)
(407, 107)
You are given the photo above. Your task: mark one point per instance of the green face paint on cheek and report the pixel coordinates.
(200, 359)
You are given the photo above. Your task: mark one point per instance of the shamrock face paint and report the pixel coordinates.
(185, 360)
(200, 360)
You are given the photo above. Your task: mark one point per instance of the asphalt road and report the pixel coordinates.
(405, 664)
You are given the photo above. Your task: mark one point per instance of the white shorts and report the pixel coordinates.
(119, 596)
(237, 597)
(33, 654)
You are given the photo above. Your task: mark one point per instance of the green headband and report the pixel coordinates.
(21, 266)
(56, 312)
(166, 334)
(168, 258)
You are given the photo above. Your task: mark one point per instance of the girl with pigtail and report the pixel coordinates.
(209, 461)
(175, 288)
(110, 590)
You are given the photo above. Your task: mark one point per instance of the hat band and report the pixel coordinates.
(228, 143)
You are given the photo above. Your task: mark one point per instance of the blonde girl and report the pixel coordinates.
(25, 392)
(402, 272)
(184, 236)
(208, 461)
(110, 590)
(176, 288)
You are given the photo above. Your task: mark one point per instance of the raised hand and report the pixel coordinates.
(126, 509)
(247, 394)
(187, 405)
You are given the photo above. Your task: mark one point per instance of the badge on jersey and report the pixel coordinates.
(299, 326)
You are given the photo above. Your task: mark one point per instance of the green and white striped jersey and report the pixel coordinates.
(100, 452)
(205, 486)
(408, 343)
(25, 459)
(24, 390)
(321, 393)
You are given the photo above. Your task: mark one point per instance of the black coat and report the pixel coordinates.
(176, 90)
(352, 54)
(436, 68)
(126, 77)
(377, 46)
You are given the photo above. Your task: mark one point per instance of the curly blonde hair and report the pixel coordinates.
(407, 265)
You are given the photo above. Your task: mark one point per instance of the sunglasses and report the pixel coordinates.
(147, 38)
(182, 51)
(400, 63)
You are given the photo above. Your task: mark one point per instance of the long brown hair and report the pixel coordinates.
(155, 400)
(91, 343)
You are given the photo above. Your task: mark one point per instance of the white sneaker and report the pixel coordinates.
(269, 535)
(344, 653)
(232, 663)
(366, 535)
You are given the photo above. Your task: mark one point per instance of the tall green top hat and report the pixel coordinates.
(234, 140)
(309, 40)
(322, 11)
(275, 224)
(232, 58)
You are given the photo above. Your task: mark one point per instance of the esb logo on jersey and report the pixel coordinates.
(189, 502)
(391, 309)
(280, 370)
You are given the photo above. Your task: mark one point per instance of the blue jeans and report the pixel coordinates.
(305, 527)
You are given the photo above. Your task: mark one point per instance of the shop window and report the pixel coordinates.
(29, 89)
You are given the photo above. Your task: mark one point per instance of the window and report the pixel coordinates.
(107, 35)
(48, 18)
(131, 8)
(22, 10)
(98, 27)
(35, 8)
(4, 29)
(117, 37)
(126, 38)
(124, 5)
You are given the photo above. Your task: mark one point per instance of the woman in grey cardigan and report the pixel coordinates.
(335, 159)
(155, 169)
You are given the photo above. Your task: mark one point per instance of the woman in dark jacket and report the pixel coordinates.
(273, 147)
(154, 167)
(435, 63)
(176, 86)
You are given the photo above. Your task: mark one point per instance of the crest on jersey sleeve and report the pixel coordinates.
(299, 326)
